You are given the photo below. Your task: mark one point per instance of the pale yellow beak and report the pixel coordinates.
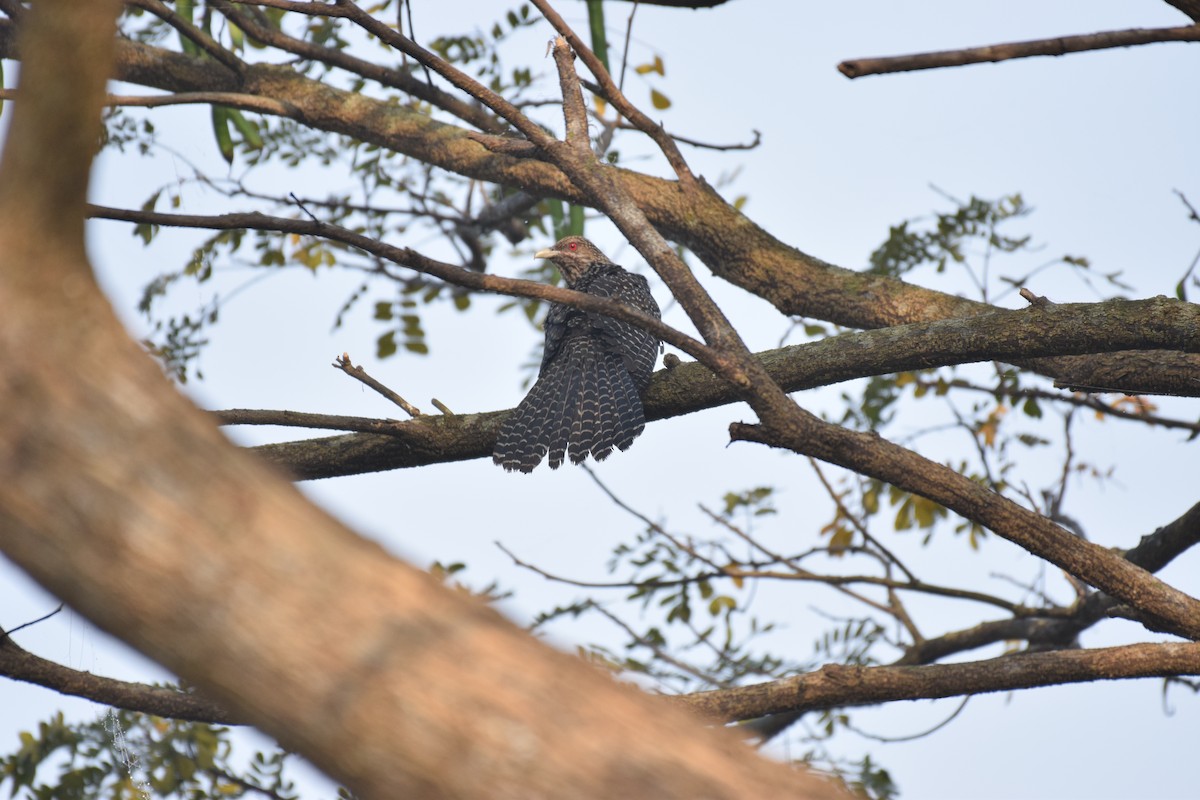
(547, 253)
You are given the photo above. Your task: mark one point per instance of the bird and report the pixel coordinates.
(588, 395)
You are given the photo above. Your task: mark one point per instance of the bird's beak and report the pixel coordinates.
(547, 253)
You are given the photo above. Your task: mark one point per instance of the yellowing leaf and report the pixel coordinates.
(840, 541)
(655, 66)
(659, 100)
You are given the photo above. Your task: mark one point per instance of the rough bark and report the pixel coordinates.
(995, 335)
(1006, 673)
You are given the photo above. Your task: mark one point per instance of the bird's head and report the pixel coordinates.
(573, 256)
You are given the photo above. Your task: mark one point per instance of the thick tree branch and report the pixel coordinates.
(832, 686)
(835, 685)
(869, 454)
(1057, 46)
(691, 387)
(250, 22)
(730, 244)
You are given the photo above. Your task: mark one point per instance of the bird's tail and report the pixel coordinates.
(584, 402)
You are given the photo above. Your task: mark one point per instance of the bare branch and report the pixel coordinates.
(411, 259)
(870, 454)
(692, 387)
(187, 29)
(343, 363)
(301, 419)
(614, 95)
(836, 686)
(1057, 46)
(21, 665)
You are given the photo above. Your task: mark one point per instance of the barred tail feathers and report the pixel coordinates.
(584, 402)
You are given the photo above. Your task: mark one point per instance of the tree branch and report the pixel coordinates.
(744, 254)
(692, 387)
(411, 259)
(1057, 46)
(19, 664)
(836, 686)
(1153, 552)
(871, 455)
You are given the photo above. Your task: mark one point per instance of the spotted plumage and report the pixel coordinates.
(587, 398)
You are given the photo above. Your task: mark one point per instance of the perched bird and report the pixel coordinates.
(587, 398)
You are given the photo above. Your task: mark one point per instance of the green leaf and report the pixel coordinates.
(249, 130)
(186, 9)
(222, 132)
(385, 346)
(721, 603)
(870, 501)
(144, 229)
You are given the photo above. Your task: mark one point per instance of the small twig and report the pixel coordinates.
(344, 363)
(858, 524)
(658, 652)
(202, 39)
(440, 406)
(5, 634)
(1037, 301)
(1082, 399)
(614, 95)
(1057, 46)
(913, 736)
(300, 204)
(752, 144)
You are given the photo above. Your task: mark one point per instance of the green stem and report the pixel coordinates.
(596, 23)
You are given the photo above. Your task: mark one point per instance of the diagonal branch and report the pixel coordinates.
(250, 22)
(19, 664)
(613, 94)
(411, 259)
(1056, 46)
(191, 32)
(874, 456)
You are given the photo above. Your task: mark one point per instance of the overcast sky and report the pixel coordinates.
(1096, 142)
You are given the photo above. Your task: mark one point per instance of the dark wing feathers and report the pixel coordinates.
(594, 368)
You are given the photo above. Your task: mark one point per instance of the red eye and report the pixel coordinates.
(573, 245)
